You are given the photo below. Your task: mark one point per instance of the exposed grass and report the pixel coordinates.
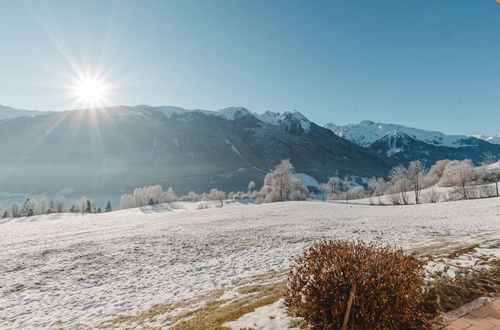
(444, 295)
(207, 311)
(155, 311)
(214, 316)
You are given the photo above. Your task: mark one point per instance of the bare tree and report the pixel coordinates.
(464, 174)
(333, 187)
(251, 187)
(59, 204)
(432, 196)
(416, 173)
(323, 188)
(14, 209)
(399, 178)
(490, 173)
(358, 192)
(217, 195)
(378, 186)
(346, 186)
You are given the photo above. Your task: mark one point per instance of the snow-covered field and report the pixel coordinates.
(68, 270)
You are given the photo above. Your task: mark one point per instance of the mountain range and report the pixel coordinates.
(401, 144)
(8, 112)
(104, 152)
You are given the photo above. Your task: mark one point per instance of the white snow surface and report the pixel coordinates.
(68, 269)
(306, 179)
(266, 317)
(495, 139)
(367, 132)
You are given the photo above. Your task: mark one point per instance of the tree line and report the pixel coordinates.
(467, 180)
(32, 207)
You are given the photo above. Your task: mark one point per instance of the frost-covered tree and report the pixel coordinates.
(458, 174)
(168, 196)
(42, 206)
(416, 174)
(251, 187)
(358, 192)
(127, 202)
(346, 186)
(191, 196)
(333, 187)
(399, 179)
(59, 204)
(323, 188)
(378, 186)
(217, 195)
(28, 209)
(281, 185)
(435, 172)
(329, 189)
(488, 172)
(150, 195)
(14, 210)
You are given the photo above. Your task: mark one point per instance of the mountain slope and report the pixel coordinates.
(8, 113)
(105, 152)
(401, 148)
(367, 132)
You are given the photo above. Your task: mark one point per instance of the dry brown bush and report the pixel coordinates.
(388, 287)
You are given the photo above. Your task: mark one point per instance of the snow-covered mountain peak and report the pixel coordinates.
(367, 132)
(495, 139)
(395, 141)
(292, 120)
(232, 113)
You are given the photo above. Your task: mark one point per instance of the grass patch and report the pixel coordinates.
(444, 295)
(214, 316)
(207, 311)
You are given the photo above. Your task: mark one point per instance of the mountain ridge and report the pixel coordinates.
(366, 132)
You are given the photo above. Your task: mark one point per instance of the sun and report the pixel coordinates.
(90, 91)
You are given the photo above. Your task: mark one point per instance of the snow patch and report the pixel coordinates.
(306, 179)
(233, 148)
(270, 317)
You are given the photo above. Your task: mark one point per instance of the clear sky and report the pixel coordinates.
(431, 64)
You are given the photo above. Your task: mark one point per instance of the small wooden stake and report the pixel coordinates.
(352, 294)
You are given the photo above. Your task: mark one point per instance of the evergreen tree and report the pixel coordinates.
(108, 207)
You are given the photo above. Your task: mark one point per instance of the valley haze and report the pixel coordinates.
(105, 152)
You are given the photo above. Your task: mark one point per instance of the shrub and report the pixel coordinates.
(394, 199)
(432, 196)
(388, 287)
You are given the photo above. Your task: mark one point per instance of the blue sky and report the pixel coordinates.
(431, 64)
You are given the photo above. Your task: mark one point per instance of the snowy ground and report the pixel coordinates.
(63, 270)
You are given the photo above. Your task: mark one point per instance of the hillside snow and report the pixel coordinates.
(61, 270)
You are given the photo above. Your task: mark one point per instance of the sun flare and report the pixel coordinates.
(90, 91)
